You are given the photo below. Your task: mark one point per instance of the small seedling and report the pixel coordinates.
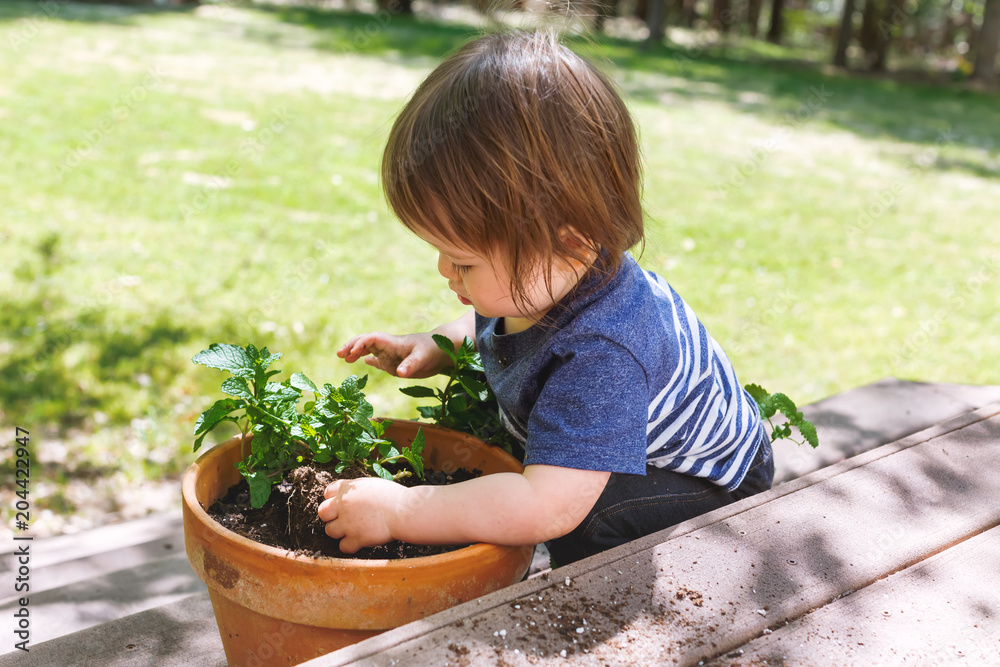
(770, 404)
(466, 403)
(336, 426)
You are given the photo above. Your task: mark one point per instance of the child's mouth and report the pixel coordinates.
(465, 302)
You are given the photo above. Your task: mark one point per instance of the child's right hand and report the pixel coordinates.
(409, 356)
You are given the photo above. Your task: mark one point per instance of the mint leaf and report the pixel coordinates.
(216, 414)
(808, 431)
(418, 392)
(281, 392)
(381, 472)
(467, 349)
(478, 390)
(447, 345)
(757, 393)
(300, 381)
(226, 357)
(260, 488)
(786, 406)
(238, 387)
(414, 453)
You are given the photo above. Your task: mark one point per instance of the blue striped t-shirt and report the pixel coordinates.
(620, 377)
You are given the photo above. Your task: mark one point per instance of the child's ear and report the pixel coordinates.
(577, 247)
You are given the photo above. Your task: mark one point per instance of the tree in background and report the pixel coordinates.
(988, 44)
(777, 28)
(844, 34)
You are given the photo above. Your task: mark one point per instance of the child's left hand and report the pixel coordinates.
(359, 512)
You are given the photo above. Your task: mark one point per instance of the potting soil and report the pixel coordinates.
(290, 519)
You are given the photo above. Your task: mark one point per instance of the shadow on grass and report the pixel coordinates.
(793, 91)
(65, 361)
(384, 33)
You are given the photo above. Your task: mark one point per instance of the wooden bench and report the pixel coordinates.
(887, 554)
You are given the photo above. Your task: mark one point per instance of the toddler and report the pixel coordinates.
(518, 162)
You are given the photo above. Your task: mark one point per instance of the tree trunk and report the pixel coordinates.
(777, 27)
(399, 6)
(869, 26)
(988, 44)
(844, 35)
(603, 10)
(641, 10)
(657, 12)
(894, 16)
(753, 16)
(721, 16)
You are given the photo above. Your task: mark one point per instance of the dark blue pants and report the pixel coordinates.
(632, 506)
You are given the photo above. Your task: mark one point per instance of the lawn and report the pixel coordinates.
(176, 178)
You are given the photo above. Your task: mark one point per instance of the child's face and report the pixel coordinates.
(483, 282)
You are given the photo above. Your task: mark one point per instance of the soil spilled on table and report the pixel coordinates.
(289, 519)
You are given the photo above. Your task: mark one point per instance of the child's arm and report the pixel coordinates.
(411, 355)
(541, 504)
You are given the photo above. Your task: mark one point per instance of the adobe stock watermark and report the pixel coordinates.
(957, 299)
(882, 201)
(28, 28)
(123, 107)
(249, 148)
(740, 173)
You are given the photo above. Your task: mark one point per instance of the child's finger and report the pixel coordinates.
(327, 510)
(334, 530)
(349, 546)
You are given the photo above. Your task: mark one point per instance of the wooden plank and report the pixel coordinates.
(942, 611)
(707, 591)
(84, 604)
(180, 634)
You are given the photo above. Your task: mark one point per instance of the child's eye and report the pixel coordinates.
(461, 268)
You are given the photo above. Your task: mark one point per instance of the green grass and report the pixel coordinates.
(176, 178)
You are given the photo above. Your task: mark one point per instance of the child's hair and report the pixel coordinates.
(511, 141)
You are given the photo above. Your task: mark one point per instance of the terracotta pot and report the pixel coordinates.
(276, 608)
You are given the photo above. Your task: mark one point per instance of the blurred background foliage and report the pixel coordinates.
(179, 175)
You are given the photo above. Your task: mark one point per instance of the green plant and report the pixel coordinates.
(769, 404)
(336, 426)
(466, 403)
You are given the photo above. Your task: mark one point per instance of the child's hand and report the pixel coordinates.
(410, 356)
(359, 512)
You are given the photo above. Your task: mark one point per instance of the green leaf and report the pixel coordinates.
(238, 387)
(419, 392)
(278, 391)
(262, 440)
(477, 389)
(786, 406)
(467, 349)
(764, 400)
(808, 431)
(260, 488)
(227, 357)
(300, 381)
(757, 393)
(216, 414)
(447, 345)
(381, 472)
(458, 403)
(430, 412)
(414, 453)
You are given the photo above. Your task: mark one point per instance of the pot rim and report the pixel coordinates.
(191, 502)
